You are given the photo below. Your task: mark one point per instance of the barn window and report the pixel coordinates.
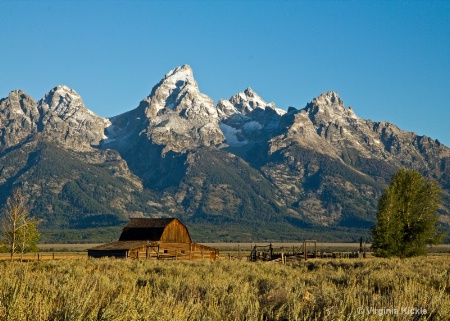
(183, 251)
(166, 251)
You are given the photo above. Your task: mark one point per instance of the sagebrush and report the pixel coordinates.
(108, 289)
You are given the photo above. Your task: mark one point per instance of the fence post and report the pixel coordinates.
(53, 256)
(304, 250)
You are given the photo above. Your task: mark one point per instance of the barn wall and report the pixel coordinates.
(175, 251)
(176, 232)
(107, 253)
(136, 253)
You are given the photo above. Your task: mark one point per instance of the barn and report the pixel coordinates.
(154, 238)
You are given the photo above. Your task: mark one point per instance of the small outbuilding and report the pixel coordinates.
(154, 238)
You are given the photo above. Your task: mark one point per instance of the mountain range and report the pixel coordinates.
(238, 170)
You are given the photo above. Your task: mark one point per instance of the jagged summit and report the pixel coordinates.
(19, 102)
(331, 98)
(248, 100)
(330, 107)
(19, 116)
(67, 120)
(183, 72)
(246, 118)
(59, 117)
(178, 91)
(244, 103)
(62, 100)
(68, 105)
(175, 115)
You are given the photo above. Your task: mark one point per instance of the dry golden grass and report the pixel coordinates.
(106, 289)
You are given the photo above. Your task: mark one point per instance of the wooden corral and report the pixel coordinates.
(154, 238)
(307, 250)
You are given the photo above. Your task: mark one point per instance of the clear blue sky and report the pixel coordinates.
(389, 60)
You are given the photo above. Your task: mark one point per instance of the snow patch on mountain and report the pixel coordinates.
(252, 126)
(231, 135)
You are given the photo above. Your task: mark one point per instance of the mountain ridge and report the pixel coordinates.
(180, 154)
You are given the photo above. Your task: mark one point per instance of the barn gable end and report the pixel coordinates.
(176, 232)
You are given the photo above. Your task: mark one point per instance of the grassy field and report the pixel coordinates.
(107, 289)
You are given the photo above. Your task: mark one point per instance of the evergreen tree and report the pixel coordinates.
(406, 217)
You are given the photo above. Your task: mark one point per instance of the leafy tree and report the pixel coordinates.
(406, 219)
(20, 233)
(28, 237)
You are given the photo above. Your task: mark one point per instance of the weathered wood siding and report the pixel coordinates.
(174, 251)
(176, 232)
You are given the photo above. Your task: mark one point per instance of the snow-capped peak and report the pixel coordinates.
(179, 77)
(244, 103)
(179, 91)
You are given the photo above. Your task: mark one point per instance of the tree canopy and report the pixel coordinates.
(406, 217)
(20, 233)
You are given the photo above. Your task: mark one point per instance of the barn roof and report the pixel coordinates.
(149, 222)
(148, 229)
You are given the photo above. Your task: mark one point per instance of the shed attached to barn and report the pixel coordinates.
(149, 238)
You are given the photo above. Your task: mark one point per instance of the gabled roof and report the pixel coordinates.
(149, 229)
(149, 222)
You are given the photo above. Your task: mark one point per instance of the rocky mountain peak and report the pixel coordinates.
(180, 73)
(329, 107)
(179, 91)
(175, 115)
(19, 116)
(331, 98)
(244, 103)
(63, 100)
(67, 120)
(248, 100)
(178, 79)
(250, 93)
(20, 103)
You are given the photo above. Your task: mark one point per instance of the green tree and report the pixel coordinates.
(406, 217)
(20, 233)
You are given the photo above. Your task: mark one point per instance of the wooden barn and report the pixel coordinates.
(154, 238)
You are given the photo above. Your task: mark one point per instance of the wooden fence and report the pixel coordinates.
(44, 256)
(172, 254)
